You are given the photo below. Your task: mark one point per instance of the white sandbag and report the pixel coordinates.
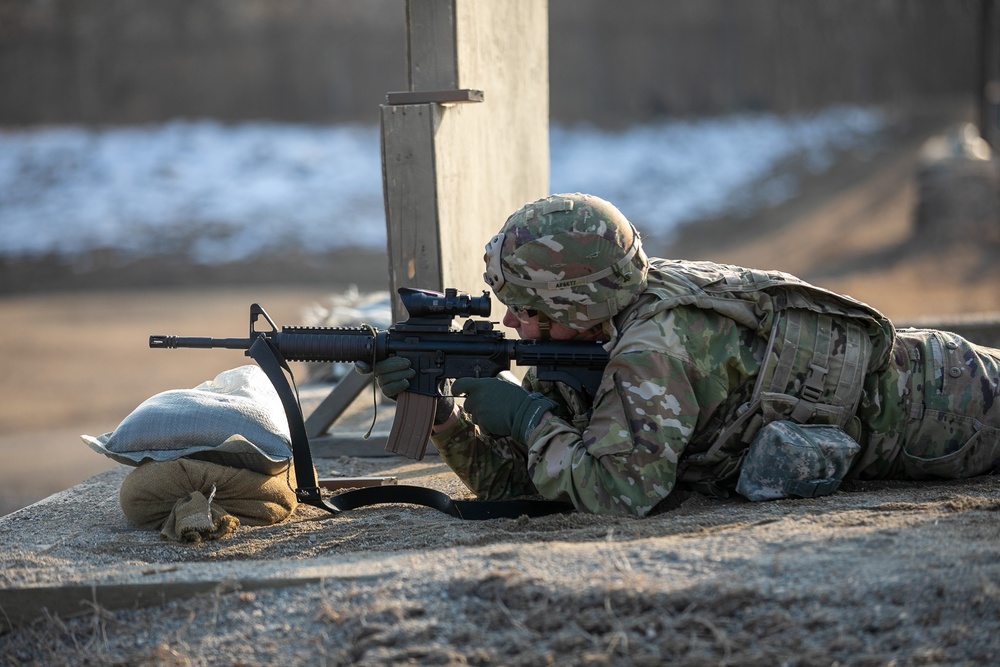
(236, 420)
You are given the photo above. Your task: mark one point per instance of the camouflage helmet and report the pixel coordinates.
(574, 257)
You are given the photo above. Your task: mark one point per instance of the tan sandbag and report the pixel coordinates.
(149, 493)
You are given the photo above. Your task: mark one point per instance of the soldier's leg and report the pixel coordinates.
(954, 423)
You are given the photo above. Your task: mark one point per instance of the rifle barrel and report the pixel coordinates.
(174, 342)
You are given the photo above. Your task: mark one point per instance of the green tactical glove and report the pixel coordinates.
(393, 375)
(502, 408)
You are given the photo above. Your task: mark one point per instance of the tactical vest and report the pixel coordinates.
(819, 347)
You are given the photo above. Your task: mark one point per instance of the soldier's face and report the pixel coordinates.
(527, 327)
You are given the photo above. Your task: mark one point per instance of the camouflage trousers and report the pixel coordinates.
(950, 391)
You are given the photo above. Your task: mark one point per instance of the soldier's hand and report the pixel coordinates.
(502, 408)
(392, 374)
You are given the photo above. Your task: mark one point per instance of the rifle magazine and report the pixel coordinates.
(411, 427)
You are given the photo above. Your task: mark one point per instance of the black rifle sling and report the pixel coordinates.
(275, 367)
(460, 509)
(308, 492)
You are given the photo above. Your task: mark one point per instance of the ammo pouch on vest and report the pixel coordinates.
(795, 460)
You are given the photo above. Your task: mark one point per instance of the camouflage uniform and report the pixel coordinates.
(933, 412)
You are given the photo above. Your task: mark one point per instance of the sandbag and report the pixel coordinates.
(163, 495)
(237, 419)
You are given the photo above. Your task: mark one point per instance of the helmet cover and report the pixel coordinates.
(574, 257)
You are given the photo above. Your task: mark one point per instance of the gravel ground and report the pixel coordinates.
(879, 574)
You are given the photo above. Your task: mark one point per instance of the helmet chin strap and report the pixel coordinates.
(544, 326)
(596, 332)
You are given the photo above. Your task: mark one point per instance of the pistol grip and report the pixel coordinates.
(411, 427)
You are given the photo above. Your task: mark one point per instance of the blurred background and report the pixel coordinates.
(163, 165)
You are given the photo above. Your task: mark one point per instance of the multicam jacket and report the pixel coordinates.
(698, 363)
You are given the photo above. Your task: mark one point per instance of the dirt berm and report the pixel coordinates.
(878, 574)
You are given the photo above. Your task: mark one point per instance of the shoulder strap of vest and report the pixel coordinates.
(751, 298)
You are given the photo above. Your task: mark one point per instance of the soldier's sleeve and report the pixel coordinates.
(653, 397)
(492, 468)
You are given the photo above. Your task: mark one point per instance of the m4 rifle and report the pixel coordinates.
(436, 349)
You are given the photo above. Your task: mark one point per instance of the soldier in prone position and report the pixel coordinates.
(721, 379)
